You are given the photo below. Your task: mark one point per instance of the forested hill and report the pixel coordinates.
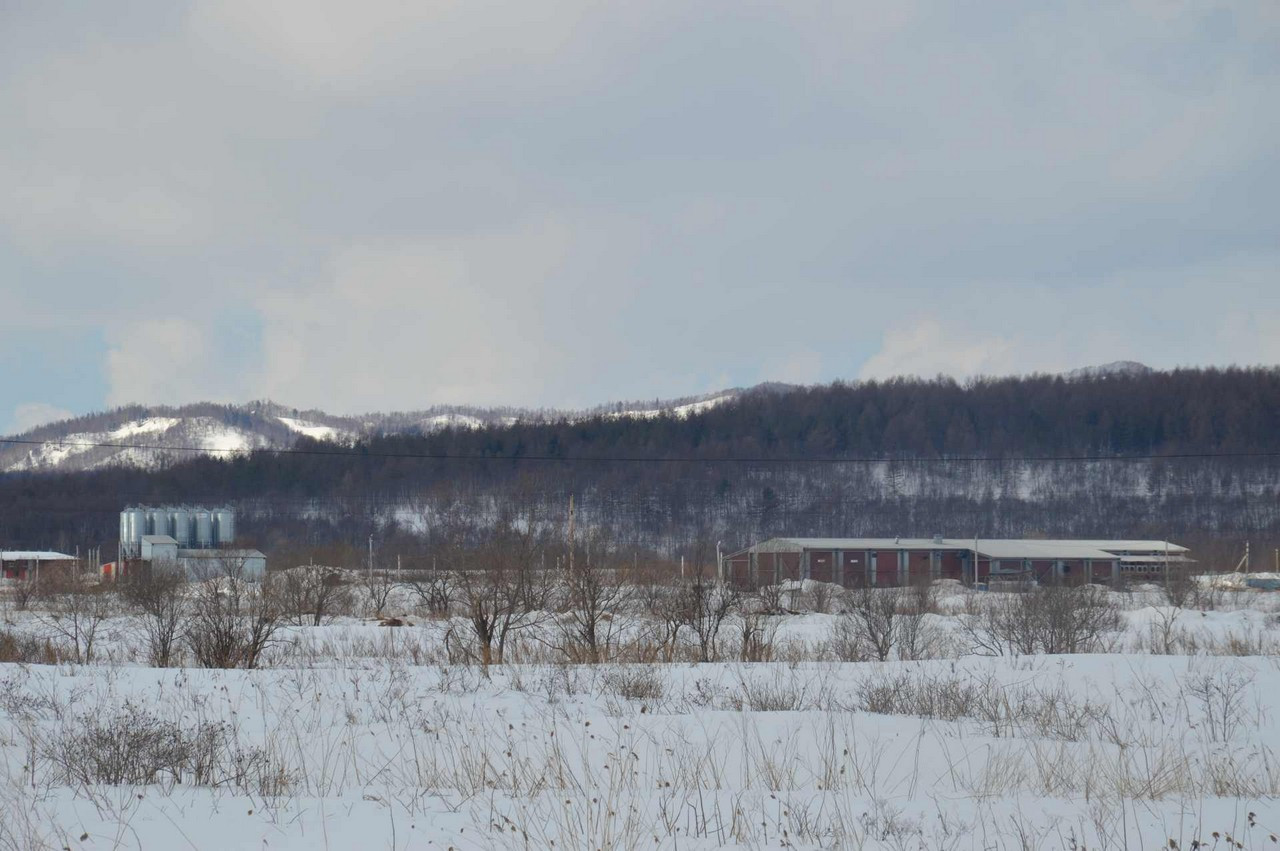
(661, 481)
(1193, 410)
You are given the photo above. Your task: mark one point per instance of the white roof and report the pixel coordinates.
(159, 539)
(34, 555)
(1031, 549)
(219, 554)
(997, 548)
(792, 544)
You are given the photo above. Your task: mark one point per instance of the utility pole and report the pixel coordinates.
(571, 518)
(370, 570)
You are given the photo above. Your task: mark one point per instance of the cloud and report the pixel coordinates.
(566, 203)
(166, 360)
(28, 415)
(927, 347)
(409, 323)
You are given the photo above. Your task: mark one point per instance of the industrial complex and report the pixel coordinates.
(194, 539)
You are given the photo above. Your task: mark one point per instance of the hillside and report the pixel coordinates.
(1188, 454)
(154, 437)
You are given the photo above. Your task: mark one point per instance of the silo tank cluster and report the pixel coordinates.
(191, 527)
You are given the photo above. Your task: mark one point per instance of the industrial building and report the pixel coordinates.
(886, 562)
(28, 564)
(193, 539)
(199, 528)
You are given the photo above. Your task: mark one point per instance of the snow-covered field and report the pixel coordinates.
(355, 735)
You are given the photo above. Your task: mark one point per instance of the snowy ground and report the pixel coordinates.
(357, 736)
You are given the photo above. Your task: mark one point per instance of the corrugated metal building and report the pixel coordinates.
(881, 562)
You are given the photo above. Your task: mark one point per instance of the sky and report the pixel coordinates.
(389, 205)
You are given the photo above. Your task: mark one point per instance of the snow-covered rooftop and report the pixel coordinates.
(998, 548)
(34, 555)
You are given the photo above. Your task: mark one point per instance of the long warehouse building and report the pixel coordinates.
(883, 562)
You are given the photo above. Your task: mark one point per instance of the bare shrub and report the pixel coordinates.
(1049, 619)
(23, 592)
(821, 596)
(756, 634)
(639, 683)
(28, 650)
(137, 748)
(1178, 585)
(1220, 694)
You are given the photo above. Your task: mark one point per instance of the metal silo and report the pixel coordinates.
(224, 526)
(180, 519)
(202, 528)
(135, 527)
(158, 521)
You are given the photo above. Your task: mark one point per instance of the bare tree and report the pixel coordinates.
(378, 586)
(233, 618)
(76, 612)
(160, 594)
(434, 589)
(501, 587)
(871, 617)
(24, 591)
(703, 606)
(594, 594)
(311, 593)
(756, 631)
(1179, 585)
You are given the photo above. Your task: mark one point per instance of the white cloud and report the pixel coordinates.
(164, 360)
(927, 348)
(28, 415)
(797, 367)
(379, 42)
(408, 323)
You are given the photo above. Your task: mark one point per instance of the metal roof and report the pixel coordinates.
(34, 555)
(997, 548)
(159, 539)
(1043, 550)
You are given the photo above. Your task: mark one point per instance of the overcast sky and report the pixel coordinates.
(386, 205)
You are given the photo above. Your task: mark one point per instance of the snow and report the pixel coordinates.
(362, 736)
(33, 555)
(150, 425)
(309, 429)
(679, 411)
(451, 420)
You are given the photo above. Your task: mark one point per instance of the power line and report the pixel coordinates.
(345, 452)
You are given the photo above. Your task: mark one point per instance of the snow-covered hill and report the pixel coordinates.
(153, 436)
